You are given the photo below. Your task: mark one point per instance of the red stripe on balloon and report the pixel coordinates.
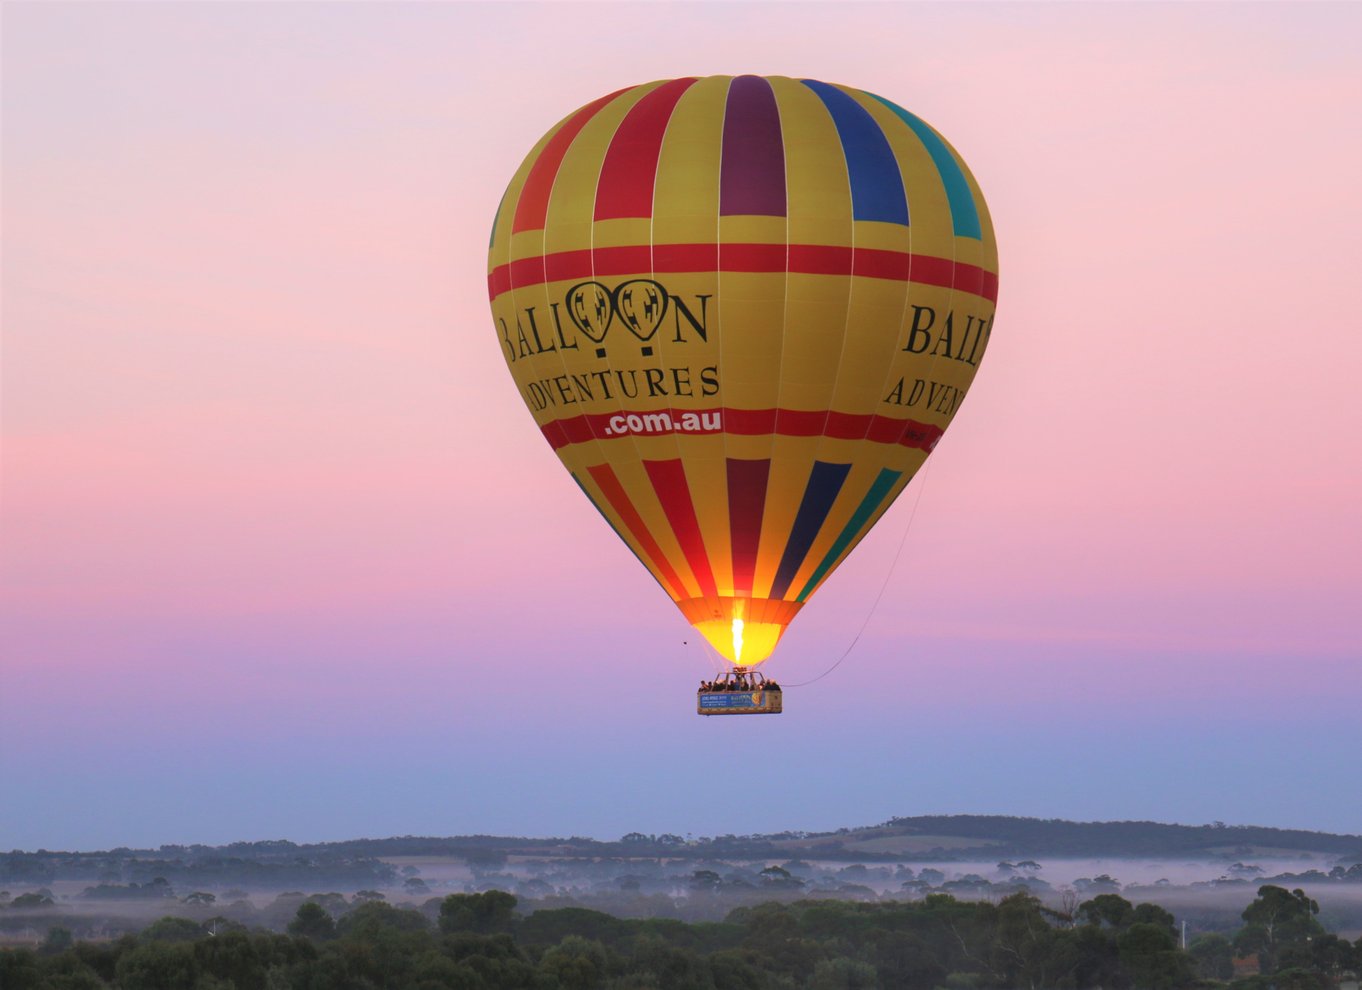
(743, 422)
(619, 501)
(803, 259)
(669, 482)
(629, 171)
(533, 205)
(746, 506)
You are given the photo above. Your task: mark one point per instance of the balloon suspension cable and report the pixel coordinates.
(922, 475)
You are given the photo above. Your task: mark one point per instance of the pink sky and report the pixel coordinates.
(271, 503)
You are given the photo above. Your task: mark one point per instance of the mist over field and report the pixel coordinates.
(1202, 892)
(1206, 884)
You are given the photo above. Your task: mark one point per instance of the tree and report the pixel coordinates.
(172, 929)
(1107, 910)
(1331, 954)
(221, 925)
(778, 876)
(478, 858)
(1301, 979)
(58, 940)
(1027, 951)
(157, 964)
(159, 887)
(843, 974)
(231, 956)
(1152, 914)
(576, 963)
(367, 919)
(333, 904)
(1276, 920)
(435, 970)
(312, 922)
(1096, 960)
(1214, 956)
(705, 880)
(903, 959)
(1104, 882)
(19, 970)
(31, 900)
(1149, 953)
(485, 913)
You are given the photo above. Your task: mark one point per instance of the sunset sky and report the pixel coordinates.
(284, 555)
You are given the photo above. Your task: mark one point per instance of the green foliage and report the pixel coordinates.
(233, 957)
(906, 954)
(1152, 914)
(31, 900)
(937, 943)
(172, 929)
(549, 927)
(312, 921)
(576, 963)
(464, 946)
(1149, 954)
(373, 916)
(1301, 979)
(1333, 955)
(1107, 910)
(58, 940)
(1213, 956)
(493, 911)
(19, 969)
(154, 965)
(705, 880)
(843, 974)
(68, 972)
(1279, 926)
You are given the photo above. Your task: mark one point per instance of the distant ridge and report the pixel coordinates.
(921, 837)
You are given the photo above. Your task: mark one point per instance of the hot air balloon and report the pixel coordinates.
(742, 311)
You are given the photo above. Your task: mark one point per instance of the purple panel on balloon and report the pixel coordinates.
(752, 175)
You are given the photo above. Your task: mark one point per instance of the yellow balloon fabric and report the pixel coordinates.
(742, 310)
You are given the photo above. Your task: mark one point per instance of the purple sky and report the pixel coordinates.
(284, 556)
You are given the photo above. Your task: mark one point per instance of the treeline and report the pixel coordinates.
(1058, 838)
(200, 867)
(479, 942)
(997, 835)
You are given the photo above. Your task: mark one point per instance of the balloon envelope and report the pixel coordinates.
(742, 310)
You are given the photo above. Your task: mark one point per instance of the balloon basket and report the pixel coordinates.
(740, 691)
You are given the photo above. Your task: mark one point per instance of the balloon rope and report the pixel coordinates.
(876, 604)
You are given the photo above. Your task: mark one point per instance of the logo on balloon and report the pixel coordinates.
(640, 303)
(589, 310)
(591, 307)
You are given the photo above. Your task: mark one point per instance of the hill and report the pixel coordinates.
(922, 838)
